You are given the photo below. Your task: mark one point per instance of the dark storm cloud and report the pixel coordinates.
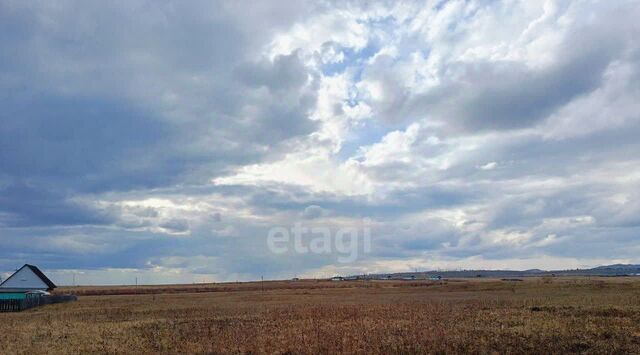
(79, 143)
(22, 205)
(102, 97)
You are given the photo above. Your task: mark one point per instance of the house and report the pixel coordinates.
(27, 288)
(28, 279)
(337, 278)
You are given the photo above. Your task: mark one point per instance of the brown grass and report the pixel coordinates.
(478, 316)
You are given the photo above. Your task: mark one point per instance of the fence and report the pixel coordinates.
(30, 302)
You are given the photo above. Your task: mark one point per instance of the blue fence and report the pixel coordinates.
(21, 305)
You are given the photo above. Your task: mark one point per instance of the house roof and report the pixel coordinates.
(38, 273)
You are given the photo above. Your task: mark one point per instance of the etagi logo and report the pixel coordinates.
(346, 242)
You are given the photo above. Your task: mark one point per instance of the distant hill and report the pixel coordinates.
(618, 267)
(606, 270)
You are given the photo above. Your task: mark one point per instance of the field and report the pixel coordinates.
(578, 315)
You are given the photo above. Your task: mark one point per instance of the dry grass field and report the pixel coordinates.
(580, 315)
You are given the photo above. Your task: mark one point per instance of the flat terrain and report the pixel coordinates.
(559, 315)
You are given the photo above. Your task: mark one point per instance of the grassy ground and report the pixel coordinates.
(481, 316)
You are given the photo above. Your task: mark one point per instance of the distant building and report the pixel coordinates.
(27, 288)
(337, 278)
(27, 279)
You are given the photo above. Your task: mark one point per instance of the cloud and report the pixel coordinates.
(487, 91)
(488, 166)
(313, 211)
(168, 140)
(24, 205)
(132, 102)
(176, 226)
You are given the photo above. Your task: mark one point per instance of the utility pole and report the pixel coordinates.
(262, 282)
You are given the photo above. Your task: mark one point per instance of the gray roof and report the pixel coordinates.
(38, 273)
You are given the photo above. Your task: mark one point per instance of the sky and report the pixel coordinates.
(167, 141)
